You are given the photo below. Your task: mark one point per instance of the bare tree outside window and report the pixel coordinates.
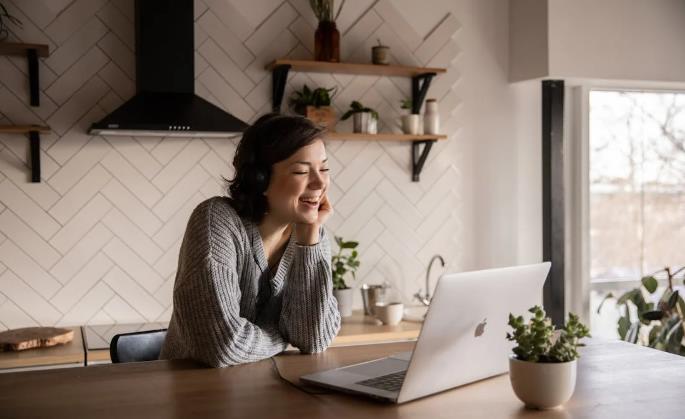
(637, 187)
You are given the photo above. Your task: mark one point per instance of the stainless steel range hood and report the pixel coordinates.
(165, 103)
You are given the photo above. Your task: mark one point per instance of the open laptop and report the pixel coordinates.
(462, 339)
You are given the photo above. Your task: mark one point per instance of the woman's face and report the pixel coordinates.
(298, 184)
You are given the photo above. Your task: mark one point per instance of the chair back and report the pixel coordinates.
(137, 346)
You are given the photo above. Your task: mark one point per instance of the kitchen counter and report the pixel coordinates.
(91, 343)
(68, 355)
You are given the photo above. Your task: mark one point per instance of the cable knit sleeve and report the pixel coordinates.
(206, 324)
(309, 317)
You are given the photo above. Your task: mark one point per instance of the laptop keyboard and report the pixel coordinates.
(390, 382)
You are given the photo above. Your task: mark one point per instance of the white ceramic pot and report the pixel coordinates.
(542, 385)
(410, 124)
(344, 297)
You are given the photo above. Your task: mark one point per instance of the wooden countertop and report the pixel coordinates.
(615, 380)
(69, 353)
(357, 329)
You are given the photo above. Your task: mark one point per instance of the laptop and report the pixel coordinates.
(462, 339)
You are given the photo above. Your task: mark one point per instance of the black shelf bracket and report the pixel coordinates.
(279, 77)
(34, 138)
(419, 87)
(419, 159)
(32, 56)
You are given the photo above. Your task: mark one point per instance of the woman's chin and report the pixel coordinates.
(305, 217)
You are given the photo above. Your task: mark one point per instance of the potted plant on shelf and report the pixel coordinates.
(365, 119)
(664, 320)
(326, 37)
(410, 121)
(5, 18)
(344, 262)
(543, 367)
(315, 105)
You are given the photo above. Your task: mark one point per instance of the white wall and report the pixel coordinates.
(97, 240)
(592, 40)
(617, 39)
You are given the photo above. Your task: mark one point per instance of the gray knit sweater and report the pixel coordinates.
(229, 309)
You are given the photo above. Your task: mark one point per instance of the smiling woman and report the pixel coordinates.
(254, 271)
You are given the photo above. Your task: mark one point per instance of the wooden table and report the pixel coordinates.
(69, 354)
(616, 380)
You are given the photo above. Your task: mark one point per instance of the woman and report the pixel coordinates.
(254, 271)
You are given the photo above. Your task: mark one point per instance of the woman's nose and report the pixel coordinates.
(317, 181)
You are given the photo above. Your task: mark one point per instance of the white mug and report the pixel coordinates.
(389, 313)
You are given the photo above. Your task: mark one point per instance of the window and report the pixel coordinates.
(636, 192)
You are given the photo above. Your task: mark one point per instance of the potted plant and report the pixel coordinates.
(344, 262)
(6, 18)
(410, 121)
(543, 367)
(326, 37)
(365, 119)
(315, 105)
(664, 320)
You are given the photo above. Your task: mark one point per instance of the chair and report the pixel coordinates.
(137, 346)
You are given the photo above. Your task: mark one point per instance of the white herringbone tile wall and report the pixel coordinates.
(97, 240)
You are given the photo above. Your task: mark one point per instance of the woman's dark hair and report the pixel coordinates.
(272, 138)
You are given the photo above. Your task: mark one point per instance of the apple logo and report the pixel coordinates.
(480, 329)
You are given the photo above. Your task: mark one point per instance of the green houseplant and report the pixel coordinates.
(365, 119)
(343, 263)
(543, 367)
(315, 105)
(653, 320)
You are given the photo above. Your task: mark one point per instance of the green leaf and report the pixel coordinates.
(633, 332)
(653, 315)
(606, 297)
(653, 333)
(627, 296)
(673, 299)
(650, 283)
(350, 245)
(623, 326)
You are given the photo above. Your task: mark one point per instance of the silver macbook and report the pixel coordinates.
(463, 333)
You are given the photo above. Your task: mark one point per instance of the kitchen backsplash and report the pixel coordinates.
(97, 240)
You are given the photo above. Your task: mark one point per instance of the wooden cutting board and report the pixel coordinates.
(34, 337)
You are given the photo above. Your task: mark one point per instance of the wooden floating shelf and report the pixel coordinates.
(385, 136)
(420, 81)
(13, 48)
(354, 68)
(23, 129)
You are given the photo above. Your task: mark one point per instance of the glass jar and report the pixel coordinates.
(327, 42)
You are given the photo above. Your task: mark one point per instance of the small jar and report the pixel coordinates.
(431, 118)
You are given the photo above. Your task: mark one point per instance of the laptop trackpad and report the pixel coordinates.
(379, 367)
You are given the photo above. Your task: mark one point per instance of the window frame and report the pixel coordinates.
(577, 151)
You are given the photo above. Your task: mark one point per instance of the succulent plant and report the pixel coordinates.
(538, 341)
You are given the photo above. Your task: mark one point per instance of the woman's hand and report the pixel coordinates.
(308, 234)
